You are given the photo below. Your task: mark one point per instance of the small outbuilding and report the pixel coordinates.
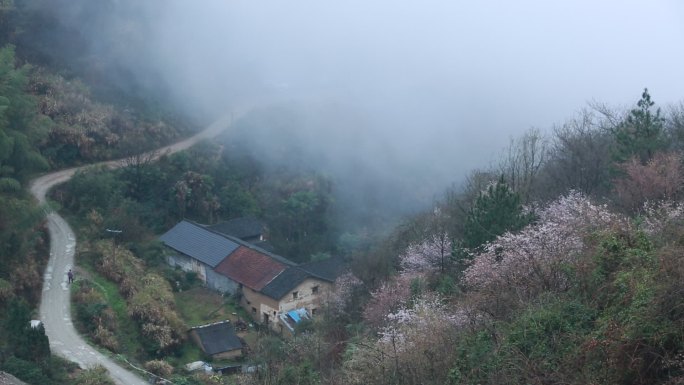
(248, 229)
(217, 340)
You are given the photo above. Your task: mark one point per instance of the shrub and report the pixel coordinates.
(94, 376)
(25, 370)
(159, 367)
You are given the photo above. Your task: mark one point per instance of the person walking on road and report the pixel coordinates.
(70, 275)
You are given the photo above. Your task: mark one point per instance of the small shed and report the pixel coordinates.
(217, 340)
(248, 229)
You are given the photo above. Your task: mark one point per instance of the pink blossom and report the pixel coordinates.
(657, 215)
(532, 258)
(409, 326)
(427, 255)
(342, 291)
(390, 296)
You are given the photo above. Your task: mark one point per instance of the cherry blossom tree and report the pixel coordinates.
(532, 259)
(414, 346)
(657, 216)
(390, 296)
(343, 289)
(427, 255)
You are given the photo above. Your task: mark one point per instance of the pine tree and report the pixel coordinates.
(496, 210)
(641, 134)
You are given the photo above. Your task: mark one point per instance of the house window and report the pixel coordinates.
(294, 294)
(314, 290)
(253, 310)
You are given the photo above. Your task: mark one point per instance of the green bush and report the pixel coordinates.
(476, 359)
(25, 370)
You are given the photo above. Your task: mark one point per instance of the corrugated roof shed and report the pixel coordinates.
(195, 241)
(218, 337)
(250, 267)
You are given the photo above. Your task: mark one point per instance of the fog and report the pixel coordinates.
(406, 94)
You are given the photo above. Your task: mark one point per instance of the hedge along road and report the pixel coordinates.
(55, 304)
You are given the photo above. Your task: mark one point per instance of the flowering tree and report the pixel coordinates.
(415, 345)
(657, 216)
(418, 321)
(427, 255)
(343, 289)
(531, 260)
(390, 296)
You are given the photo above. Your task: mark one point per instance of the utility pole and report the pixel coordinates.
(115, 233)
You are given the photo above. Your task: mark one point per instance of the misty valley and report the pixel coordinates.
(208, 193)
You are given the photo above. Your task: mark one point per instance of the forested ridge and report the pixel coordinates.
(561, 263)
(50, 119)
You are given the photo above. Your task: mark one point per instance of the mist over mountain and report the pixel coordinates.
(408, 95)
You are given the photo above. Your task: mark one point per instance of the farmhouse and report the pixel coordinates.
(274, 290)
(299, 292)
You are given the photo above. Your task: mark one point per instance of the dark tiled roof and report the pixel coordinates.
(195, 241)
(243, 228)
(284, 282)
(265, 245)
(218, 337)
(250, 267)
(327, 269)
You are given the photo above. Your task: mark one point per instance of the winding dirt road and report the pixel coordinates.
(55, 305)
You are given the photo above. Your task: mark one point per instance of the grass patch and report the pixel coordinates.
(127, 333)
(187, 354)
(199, 306)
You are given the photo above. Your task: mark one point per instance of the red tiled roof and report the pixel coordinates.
(250, 267)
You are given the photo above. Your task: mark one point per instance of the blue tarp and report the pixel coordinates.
(293, 314)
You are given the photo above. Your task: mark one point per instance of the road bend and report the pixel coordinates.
(55, 305)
